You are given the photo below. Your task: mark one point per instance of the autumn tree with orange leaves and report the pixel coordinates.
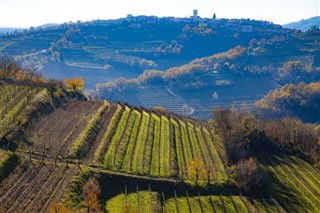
(75, 84)
(91, 193)
(196, 170)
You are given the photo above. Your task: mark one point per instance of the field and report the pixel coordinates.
(124, 139)
(150, 143)
(140, 157)
(294, 179)
(150, 201)
(15, 100)
(31, 187)
(199, 103)
(56, 133)
(295, 188)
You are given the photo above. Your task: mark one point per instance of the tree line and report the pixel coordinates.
(12, 72)
(247, 137)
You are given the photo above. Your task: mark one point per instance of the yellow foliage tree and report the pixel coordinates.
(75, 84)
(196, 170)
(59, 208)
(127, 208)
(91, 196)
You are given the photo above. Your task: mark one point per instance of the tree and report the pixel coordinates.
(59, 208)
(250, 176)
(56, 55)
(91, 193)
(196, 170)
(214, 16)
(75, 84)
(127, 208)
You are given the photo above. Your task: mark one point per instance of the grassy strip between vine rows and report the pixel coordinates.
(78, 145)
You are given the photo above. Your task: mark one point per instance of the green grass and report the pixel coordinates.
(154, 168)
(309, 174)
(122, 145)
(105, 139)
(75, 194)
(217, 203)
(147, 157)
(228, 204)
(15, 101)
(78, 145)
(206, 204)
(148, 203)
(179, 149)
(221, 175)
(259, 206)
(193, 141)
(109, 155)
(185, 142)
(307, 168)
(304, 195)
(165, 158)
(131, 144)
(203, 148)
(241, 207)
(141, 140)
(195, 204)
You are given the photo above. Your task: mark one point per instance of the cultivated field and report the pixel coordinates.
(31, 187)
(64, 131)
(141, 159)
(151, 143)
(15, 100)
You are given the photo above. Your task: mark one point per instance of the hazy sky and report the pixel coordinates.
(26, 13)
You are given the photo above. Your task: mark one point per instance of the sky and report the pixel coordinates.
(27, 13)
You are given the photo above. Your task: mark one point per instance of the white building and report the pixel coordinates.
(195, 15)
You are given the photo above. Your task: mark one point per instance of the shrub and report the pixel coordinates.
(7, 164)
(250, 176)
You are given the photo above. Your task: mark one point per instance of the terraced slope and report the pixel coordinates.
(15, 104)
(151, 143)
(32, 187)
(294, 187)
(295, 179)
(141, 159)
(59, 132)
(151, 201)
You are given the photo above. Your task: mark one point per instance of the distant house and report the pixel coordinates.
(135, 25)
(246, 29)
(195, 15)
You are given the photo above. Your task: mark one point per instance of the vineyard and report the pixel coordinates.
(151, 201)
(151, 143)
(64, 131)
(14, 102)
(296, 183)
(126, 139)
(143, 160)
(31, 187)
(295, 179)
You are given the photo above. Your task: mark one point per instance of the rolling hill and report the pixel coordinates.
(304, 24)
(106, 51)
(241, 74)
(53, 147)
(103, 50)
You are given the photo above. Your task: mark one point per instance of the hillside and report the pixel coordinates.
(88, 154)
(222, 79)
(299, 101)
(304, 24)
(104, 50)
(189, 64)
